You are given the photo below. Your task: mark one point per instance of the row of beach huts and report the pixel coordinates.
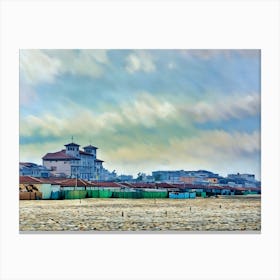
(54, 188)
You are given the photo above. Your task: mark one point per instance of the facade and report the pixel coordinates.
(71, 162)
(188, 179)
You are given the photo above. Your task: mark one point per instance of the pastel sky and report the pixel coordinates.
(146, 110)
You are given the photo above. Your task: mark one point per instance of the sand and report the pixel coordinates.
(201, 214)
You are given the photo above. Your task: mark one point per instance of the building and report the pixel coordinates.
(246, 180)
(71, 162)
(180, 176)
(168, 176)
(213, 180)
(247, 177)
(33, 169)
(108, 176)
(125, 178)
(188, 179)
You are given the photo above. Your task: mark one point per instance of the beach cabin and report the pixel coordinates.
(105, 189)
(55, 192)
(154, 193)
(225, 192)
(73, 189)
(30, 188)
(179, 195)
(192, 194)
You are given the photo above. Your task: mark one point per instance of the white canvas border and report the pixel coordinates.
(156, 24)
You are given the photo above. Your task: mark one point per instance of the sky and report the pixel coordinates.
(145, 110)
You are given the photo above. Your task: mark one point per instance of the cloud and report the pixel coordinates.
(189, 152)
(206, 54)
(223, 108)
(140, 61)
(34, 152)
(145, 110)
(83, 62)
(171, 65)
(44, 66)
(27, 94)
(143, 121)
(144, 135)
(36, 67)
(217, 143)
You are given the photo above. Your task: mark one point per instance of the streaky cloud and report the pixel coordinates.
(140, 60)
(44, 66)
(223, 108)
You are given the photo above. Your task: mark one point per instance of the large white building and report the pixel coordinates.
(72, 162)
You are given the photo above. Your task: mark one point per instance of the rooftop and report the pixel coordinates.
(29, 180)
(72, 144)
(106, 184)
(90, 147)
(74, 182)
(28, 164)
(59, 155)
(84, 153)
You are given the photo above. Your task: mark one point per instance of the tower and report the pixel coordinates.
(91, 150)
(72, 149)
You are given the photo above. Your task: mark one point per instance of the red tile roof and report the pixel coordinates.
(72, 182)
(106, 184)
(52, 180)
(238, 189)
(142, 185)
(126, 184)
(28, 164)
(29, 180)
(59, 155)
(165, 185)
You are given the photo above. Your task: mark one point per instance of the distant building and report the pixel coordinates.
(72, 162)
(125, 178)
(168, 176)
(143, 177)
(246, 180)
(199, 180)
(212, 180)
(108, 176)
(247, 177)
(182, 176)
(33, 169)
(188, 179)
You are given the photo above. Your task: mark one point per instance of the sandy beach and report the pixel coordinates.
(211, 214)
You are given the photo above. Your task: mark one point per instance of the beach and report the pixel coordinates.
(236, 213)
